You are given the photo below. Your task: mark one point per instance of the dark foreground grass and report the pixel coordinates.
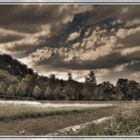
(125, 124)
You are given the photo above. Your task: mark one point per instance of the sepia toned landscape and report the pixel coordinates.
(69, 70)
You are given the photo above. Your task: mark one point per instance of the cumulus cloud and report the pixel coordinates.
(87, 57)
(25, 30)
(102, 54)
(123, 33)
(25, 45)
(77, 38)
(73, 36)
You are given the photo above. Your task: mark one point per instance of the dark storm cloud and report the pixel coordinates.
(29, 18)
(24, 47)
(10, 35)
(108, 61)
(131, 41)
(9, 38)
(26, 18)
(72, 37)
(35, 20)
(134, 66)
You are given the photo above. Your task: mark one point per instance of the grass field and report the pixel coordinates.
(44, 118)
(126, 123)
(121, 125)
(12, 110)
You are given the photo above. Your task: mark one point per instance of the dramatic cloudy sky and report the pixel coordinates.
(74, 38)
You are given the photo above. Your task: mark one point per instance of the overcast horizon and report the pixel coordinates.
(74, 38)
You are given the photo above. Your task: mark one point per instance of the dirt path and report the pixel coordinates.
(49, 124)
(75, 128)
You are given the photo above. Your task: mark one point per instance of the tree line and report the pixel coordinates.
(44, 88)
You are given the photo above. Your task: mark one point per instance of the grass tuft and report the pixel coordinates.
(123, 124)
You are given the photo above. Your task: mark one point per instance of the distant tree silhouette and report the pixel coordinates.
(89, 86)
(13, 66)
(1, 89)
(37, 92)
(106, 91)
(91, 79)
(133, 90)
(69, 91)
(49, 93)
(130, 89)
(122, 84)
(27, 84)
(20, 91)
(85, 93)
(11, 90)
(86, 79)
(17, 79)
(58, 93)
(52, 77)
(69, 76)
